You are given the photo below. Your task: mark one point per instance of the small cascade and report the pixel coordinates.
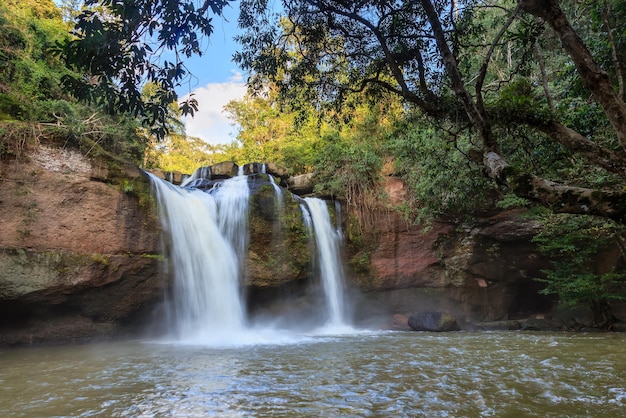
(206, 241)
(279, 193)
(232, 197)
(328, 240)
(200, 173)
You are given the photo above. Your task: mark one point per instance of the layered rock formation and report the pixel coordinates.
(483, 274)
(79, 248)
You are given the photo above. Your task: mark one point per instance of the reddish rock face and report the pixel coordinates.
(480, 272)
(405, 257)
(76, 247)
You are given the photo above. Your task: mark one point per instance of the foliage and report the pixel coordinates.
(33, 105)
(269, 132)
(119, 45)
(572, 243)
(491, 73)
(182, 153)
(29, 75)
(443, 180)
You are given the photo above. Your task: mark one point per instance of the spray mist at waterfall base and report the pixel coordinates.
(208, 237)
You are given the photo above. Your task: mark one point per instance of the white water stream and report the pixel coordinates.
(328, 240)
(203, 256)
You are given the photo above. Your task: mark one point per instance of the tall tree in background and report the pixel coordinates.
(419, 50)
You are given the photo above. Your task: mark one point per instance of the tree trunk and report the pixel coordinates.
(596, 154)
(594, 77)
(559, 198)
(478, 118)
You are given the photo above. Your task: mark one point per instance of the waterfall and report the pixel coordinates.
(232, 213)
(207, 252)
(328, 240)
(208, 235)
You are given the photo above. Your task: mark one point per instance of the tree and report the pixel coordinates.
(119, 45)
(573, 243)
(420, 50)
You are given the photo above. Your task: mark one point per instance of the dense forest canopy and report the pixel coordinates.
(471, 73)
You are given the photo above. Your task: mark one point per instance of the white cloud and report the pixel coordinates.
(210, 122)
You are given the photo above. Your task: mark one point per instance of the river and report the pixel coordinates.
(363, 374)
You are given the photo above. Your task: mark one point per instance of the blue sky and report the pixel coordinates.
(216, 81)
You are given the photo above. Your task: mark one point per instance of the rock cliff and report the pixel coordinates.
(479, 272)
(79, 248)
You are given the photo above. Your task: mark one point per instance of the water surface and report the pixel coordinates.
(503, 374)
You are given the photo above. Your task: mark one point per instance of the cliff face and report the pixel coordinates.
(78, 248)
(482, 272)
(479, 272)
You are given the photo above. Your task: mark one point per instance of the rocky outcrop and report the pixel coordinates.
(80, 255)
(484, 273)
(301, 185)
(278, 253)
(79, 248)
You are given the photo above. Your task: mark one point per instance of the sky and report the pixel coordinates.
(216, 81)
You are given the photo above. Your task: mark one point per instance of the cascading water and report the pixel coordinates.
(207, 233)
(209, 240)
(200, 173)
(328, 240)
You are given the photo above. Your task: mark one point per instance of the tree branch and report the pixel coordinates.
(557, 197)
(479, 118)
(594, 77)
(482, 73)
(592, 151)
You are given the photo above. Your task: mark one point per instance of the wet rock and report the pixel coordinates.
(619, 327)
(277, 171)
(400, 322)
(433, 321)
(278, 252)
(541, 324)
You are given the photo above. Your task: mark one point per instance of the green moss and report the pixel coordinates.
(361, 263)
(158, 257)
(100, 259)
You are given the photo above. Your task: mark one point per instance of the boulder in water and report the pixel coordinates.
(433, 321)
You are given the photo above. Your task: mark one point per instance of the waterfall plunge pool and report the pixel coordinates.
(369, 374)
